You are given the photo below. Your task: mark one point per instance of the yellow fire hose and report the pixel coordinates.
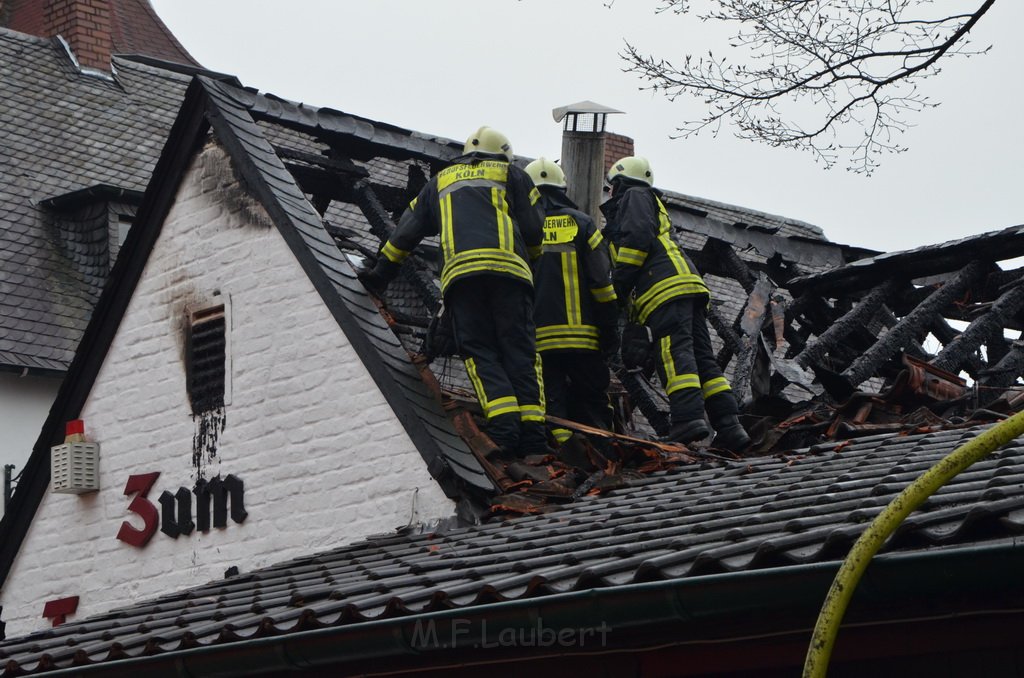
(885, 524)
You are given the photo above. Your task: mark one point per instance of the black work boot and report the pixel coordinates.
(688, 431)
(730, 435)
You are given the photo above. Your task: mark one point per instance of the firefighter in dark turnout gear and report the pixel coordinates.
(485, 210)
(574, 308)
(668, 295)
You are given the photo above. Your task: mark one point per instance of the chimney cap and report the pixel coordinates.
(581, 107)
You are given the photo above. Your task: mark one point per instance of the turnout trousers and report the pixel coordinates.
(576, 387)
(686, 362)
(494, 330)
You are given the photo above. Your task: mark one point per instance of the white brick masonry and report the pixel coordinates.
(323, 457)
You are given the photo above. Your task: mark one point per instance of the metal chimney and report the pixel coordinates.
(583, 152)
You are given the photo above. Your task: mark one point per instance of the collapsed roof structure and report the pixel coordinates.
(679, 550)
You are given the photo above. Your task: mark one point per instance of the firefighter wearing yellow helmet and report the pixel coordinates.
(668, 295)
(575, 307)
(485, 211)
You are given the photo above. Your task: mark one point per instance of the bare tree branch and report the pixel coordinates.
(832, 77)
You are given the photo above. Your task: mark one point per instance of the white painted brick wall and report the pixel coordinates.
(324, 460)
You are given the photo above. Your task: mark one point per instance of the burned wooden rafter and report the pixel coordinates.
(917, 263)
(636, 387)
(957, 352)
(731, 342)
(1004, 374)
(752, 319)
(323, 185)
(859, 316)
(909, 326)
(730, 263)
(996, 346)
(339, 165)
(382, 227)
(913, 346)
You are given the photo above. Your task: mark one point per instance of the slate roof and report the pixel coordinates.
(695, 524)
(63, 132)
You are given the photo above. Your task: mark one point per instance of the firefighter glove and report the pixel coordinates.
(376, 278)
(636, 345)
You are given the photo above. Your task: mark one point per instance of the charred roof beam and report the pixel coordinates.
(732, 265)
(908, 327)
(916, 263)
(1005, 372)
(858, 316)
(955, 353)
(382, 227)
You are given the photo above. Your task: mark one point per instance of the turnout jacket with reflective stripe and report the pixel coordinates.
(648, 262)
(485, 210)
(573, 280)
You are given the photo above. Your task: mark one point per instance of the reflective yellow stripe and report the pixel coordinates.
(566, 343)
(663, 290)
(675, 382)
(538, 369)
(531, 413)
(534, 196)
(570, 283)
(603, 294)
(664, 223)
(627, 255)
(567, 337)
(412, 203)
(447, 235)
(491, 408)
(561, 434)
(716, 385)
(484, 259)
(574, 330)
(487, 170)
(595, 240)
(535, 251)
(674, 255)
(504, 221)
(394, 254)
(681, 381)
(614, 251)
(500, 406)
(478, 385)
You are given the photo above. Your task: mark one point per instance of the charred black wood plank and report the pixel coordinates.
(859, 316)
(1004, 373)
(382, 227)
(956, 352)
(731, 342)
(751, 321)
(641, 396)
(733, 266)
(907, 328)
(337, 164)
(916, 263)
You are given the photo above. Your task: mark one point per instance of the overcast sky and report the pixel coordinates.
(447, 66)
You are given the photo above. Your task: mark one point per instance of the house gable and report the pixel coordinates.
(323, 457)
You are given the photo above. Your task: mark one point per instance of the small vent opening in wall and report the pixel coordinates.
(205, 358)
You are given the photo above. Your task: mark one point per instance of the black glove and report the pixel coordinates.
(636, 345)
(376, 278)
(608, 340)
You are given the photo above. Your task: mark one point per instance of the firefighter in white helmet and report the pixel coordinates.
(667, 295)
(485, 210)
(575, 306)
